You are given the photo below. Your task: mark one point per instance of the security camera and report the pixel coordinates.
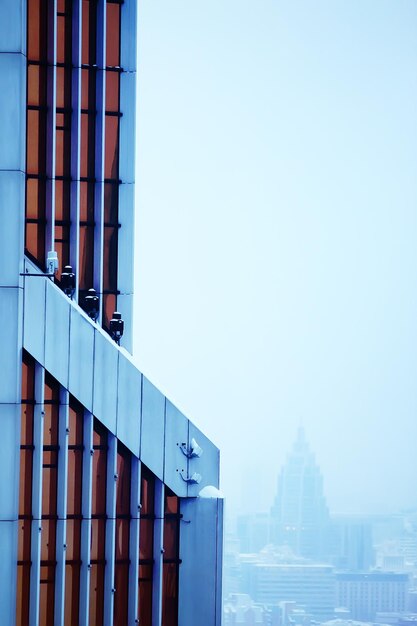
(52, 262)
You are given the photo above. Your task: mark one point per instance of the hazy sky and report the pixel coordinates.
(277, 236)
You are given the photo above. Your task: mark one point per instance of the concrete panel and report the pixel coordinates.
(129, 396)
(12, 218)
(9, 460)
(176, 463)
(200, 542)
(105, 380)
(207, 465)
(153, 428)
(8, 552)
(10, 335)
(125, 307)
(128, 44)
(12, 27)
(34, 316)
(126, 238)
(127, 127)
(57, 329)
(12, 111)
(81, 358)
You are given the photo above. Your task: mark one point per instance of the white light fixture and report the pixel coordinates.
(193, 451)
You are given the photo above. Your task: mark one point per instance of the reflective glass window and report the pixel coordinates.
(146, 537)
(171, 559)
(25, 491)
(121, 581)
(98, 524)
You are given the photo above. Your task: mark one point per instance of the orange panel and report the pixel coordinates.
(46, 595)
(111, 156)
(112, 91)
(113, 35)
(145, 595)
(72, 593)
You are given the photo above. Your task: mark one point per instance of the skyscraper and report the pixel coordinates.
(299, 514)
(109, 508)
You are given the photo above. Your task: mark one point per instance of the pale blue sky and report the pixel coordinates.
(276, 230)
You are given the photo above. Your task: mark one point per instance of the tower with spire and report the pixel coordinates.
(300, 517)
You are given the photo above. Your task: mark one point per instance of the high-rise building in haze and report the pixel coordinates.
(366, 594)
(299, 515)
(109, 508)
(310, 585)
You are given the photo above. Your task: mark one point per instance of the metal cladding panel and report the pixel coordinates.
(34, 316)
(81, 359)
(128, 50)
(12, 217)
(126, 238)
(129, 394)
(12, 31)
(153, 428)
(9, 463)
(12, 111)
(105, 380)
(207, 465)
(10, 344)
(201, 555)
(127, 127)
(176, 463)
(8, 552)
(57, 332)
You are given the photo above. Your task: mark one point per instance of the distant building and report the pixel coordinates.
(253, 531)
(412, 601)
(312, 587)
(239, 608)
(300, 516)
(366, 594)
(350, 543)
(348, 622)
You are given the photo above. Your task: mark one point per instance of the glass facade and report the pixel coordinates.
(146, 545)
(171, 559)
(89, 534)
(36, 135)
(25, 490)
(101, 481)
(72, 156)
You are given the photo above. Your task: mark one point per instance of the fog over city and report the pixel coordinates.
(277, 228)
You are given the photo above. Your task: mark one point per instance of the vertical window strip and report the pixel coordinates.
(109, 588)
(146, 546)
(98, 524)
(135, 488)
(111, 162)
(63, 128)
(75, 139)
(36, 131)
(37, 471)
(62, 489)
(123, 517)
(74, 512)
(25, 490)
(171, 559)
(88, 121)
(86, 504)
(49, 500)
